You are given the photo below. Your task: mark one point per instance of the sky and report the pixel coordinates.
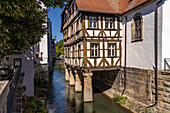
(54, 16)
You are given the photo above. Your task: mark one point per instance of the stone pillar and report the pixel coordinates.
(88, 91)
(66, 74)
(71, 81)
(78, 86)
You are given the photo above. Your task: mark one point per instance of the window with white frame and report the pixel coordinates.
(109, 23)
(94, 50)
(111, 49)
(92, 22)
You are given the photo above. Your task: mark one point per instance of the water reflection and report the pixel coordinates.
(63, 99)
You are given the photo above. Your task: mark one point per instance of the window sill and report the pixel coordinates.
(136, 40)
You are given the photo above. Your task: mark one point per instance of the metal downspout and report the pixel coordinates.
(156, 55)
(125, 55)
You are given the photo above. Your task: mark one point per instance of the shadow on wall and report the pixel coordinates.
(104, 80)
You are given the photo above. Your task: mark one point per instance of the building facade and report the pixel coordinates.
(128, 36)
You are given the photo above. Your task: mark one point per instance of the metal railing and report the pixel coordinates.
(167, 64)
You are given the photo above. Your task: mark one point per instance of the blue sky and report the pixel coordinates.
(54, 16)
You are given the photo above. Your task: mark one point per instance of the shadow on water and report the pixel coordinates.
(63, 99)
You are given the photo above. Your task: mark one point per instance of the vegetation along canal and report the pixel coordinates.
(63, 99)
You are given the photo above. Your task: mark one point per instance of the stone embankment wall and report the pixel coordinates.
(138, 85)
(7, 93)
(4, 90)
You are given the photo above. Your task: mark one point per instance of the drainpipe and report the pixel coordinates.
(156, 55)
(125, 55)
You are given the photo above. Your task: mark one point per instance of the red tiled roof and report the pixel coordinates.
(108, 6)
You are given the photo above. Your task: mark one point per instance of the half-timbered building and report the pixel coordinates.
(104, 35)
(92, 40)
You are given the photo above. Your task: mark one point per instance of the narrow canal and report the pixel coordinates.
(63, 99)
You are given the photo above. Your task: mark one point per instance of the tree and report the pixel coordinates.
(59, 48)
(21, 23)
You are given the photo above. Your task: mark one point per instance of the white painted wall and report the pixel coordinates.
(166, 31)
(141, 54)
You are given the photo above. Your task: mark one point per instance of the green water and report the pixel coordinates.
(63, 99)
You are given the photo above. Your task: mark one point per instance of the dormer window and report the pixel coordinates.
(109, 23)
(92, 22)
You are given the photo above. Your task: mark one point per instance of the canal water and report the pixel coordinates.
(63, 99)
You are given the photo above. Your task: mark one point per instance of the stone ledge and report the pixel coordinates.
(3, 84)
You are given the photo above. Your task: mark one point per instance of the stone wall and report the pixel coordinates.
(163, 91)
(7, 92)
(138, 84)
(4, 90)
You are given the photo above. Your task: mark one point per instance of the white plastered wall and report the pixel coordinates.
(166, 31)
(141, 54)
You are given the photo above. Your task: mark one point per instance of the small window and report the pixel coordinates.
(111, 50)
(137, 27)
(72, 30)
(92, 22)
(68, 52)
(94, 50)
(52, 44)
(17, 62)
(73, 52)
(109, 23)
(79, 50)
(72, 9)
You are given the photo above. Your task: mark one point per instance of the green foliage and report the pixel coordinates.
(59, 48)
(22, 23)
(32, 104)
(35, 106)
(120, 99)
(41, 83)
(148, 111)
(55, 3)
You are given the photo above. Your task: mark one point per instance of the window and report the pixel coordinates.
(94, 50)
(92, 22)
(72, 30)
(137, 27)
(72, 8)
(52, 44)
(68, 52)
(17, 62)
(111, 50)
(79, 50)
(109, 23)
(73, 53)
